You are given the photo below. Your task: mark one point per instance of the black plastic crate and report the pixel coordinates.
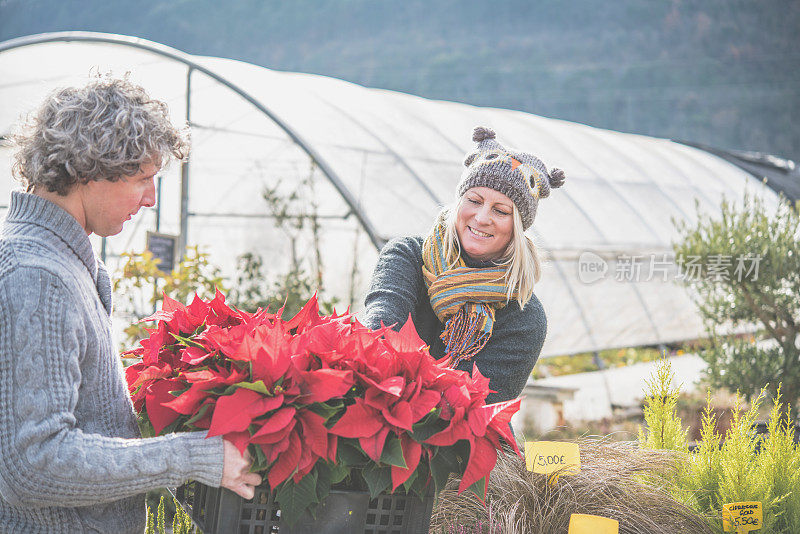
(220, 511)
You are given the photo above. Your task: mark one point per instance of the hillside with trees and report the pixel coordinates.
(720, 72)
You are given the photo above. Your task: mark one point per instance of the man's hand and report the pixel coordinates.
(236, 474)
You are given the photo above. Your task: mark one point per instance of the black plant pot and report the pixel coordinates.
(220, 511)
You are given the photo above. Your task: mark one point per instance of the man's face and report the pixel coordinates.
(108, 205)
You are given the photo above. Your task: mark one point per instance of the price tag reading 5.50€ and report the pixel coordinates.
(742, 516)
(592, 524)
(547, 457)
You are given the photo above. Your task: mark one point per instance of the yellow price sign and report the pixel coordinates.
(742, 516)
(548, 457)
(592, 524)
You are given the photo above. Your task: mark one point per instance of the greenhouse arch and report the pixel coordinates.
(365, 165)
(166, 51)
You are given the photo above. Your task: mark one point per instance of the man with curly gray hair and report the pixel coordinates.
(71, 455)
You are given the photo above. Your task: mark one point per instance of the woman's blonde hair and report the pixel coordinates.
(521, 259)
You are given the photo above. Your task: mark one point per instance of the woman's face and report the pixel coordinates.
(485, 223)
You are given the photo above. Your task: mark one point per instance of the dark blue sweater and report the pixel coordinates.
(398, 288)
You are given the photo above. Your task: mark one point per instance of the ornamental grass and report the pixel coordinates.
(619, 480)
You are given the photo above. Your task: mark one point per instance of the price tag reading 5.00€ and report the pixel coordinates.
(592, 524)
(742, 516)
(547, 457)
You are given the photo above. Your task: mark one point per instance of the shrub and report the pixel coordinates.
(254, 288)
(739, 466)
(141, 287)
(766, 243)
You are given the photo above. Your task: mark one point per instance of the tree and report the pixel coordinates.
(744, 268)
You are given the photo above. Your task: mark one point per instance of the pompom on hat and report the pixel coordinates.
(520, 176)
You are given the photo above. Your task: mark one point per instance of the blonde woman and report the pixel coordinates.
(468, 285)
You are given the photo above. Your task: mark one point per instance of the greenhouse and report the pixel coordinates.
(308, 170)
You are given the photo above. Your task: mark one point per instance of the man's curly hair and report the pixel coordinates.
(102, 131)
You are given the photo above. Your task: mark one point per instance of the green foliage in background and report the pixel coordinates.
(664, 430)
(584, 362)
(728, 292)
(288, 290)
(181, 522)
(140, 288)
(294, 209)
(739, 466)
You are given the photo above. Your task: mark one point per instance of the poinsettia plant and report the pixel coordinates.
(318, 400)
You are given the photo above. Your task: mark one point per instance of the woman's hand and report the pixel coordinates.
(236, 475)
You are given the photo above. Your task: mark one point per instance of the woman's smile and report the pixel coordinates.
(478, 232)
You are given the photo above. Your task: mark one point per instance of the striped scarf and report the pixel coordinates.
(463, 298)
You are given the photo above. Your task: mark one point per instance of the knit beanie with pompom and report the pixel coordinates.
(520, 176)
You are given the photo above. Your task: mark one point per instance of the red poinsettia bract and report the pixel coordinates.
(292, 391)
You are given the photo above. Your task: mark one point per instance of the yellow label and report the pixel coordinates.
(548, 457)
(592, 524)
(742, 516)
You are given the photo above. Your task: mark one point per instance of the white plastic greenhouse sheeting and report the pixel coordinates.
(399, 156)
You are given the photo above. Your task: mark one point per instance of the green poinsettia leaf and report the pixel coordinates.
(462, 451)
(479, 489)
(145, 426)
(327, 409)
(260, 462)
(444, 462)
(295, 498)
(324, 472)
(199, 415)
(428, 426)
(420, 487)
(229, 390)
(409, 483)
(378, 479)
(338, 473)
(351, 455)
(172, 427)
(187, 342)
(258, 386)
(393, 453)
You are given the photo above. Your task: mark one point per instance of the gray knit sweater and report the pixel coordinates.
(71, 457)
(398, 289)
